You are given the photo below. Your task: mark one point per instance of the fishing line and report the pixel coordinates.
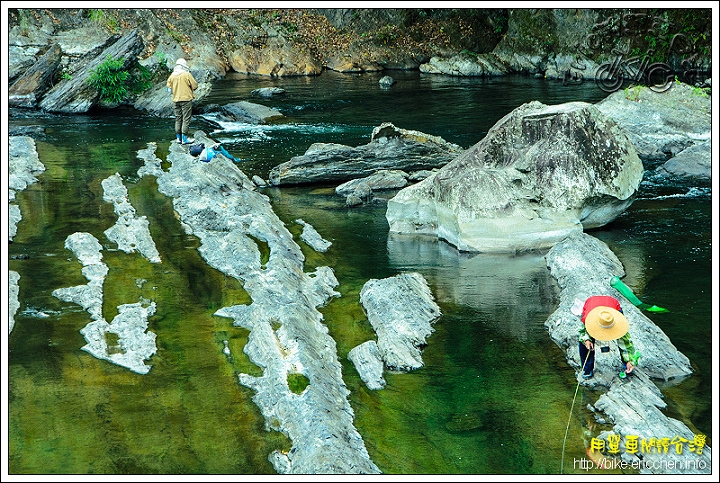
(562, 458)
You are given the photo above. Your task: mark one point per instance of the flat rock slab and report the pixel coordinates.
(236, 225)
(130, 232)
(132, 344)
(401, 310)
(367, 361)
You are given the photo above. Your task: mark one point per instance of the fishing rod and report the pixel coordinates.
(562, 458)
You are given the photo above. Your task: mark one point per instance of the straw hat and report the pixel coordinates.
(604, 323)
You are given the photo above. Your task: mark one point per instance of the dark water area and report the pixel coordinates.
(495, 394)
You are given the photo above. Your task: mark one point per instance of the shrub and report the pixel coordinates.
(115, 83)
(110, 79)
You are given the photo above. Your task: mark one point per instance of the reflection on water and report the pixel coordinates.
(494, 395)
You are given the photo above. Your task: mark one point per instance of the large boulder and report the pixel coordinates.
(541, 173)
(389, 148)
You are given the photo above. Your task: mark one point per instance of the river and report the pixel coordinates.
(495, 394)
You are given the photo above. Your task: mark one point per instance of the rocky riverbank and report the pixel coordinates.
(53, 51)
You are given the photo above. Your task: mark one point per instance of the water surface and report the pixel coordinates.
(495, 393)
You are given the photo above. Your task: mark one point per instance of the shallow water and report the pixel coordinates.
(495, 393)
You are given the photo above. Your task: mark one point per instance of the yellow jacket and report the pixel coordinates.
(182, 84)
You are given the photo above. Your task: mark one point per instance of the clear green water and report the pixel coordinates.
(495, 393)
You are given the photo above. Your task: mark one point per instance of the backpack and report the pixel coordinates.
(196, 148)
(207, 154)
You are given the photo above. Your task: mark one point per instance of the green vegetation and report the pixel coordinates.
(176, 36)
(115, 83)
(297, 382)
(387, 34)
(632, 93)
(99, 17)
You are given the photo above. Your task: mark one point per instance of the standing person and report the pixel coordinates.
(182, 84)
(603, 320)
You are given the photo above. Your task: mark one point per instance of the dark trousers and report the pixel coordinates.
(183, 113)
(589, 365)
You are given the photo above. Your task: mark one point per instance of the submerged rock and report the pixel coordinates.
(541, 174)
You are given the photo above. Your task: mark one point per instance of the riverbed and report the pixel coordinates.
(495, 393)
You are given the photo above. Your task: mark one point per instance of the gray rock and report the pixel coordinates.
(420, 175)
(310, 236)
(14, 217)
(75, 95)
(250, 112)
(267, 92)
(130, 232)
(36, 80)
(354, 200)
(401, 310)
(13, 301)
(83, 40)
(382, 179)
(389, 148)
(259, 182)
(541, 173)
(19, 59)
(386, 81)
(484, 65)
(152, 165)
(221, 206)
(661, 124)
(23, 165)
(367, 361)
(583, 266)
(634, 405)
(132, 345)
(693, 162)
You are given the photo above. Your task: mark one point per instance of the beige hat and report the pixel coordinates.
(182, 62)
(605, 323)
